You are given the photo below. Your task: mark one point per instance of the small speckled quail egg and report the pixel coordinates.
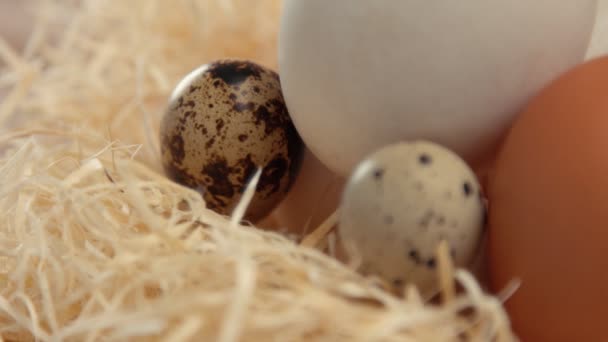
(401, 201)
(226, 119)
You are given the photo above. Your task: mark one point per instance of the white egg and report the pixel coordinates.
(401, 202)
(359, 74)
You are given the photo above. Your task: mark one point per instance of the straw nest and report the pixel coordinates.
(96, 244)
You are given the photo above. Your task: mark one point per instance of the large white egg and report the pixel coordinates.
(360, 74)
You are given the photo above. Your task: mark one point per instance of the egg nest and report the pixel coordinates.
(96, 244)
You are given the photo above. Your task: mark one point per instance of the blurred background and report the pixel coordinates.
(15, 23)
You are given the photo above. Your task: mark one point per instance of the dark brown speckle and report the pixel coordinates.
(176, 146)
(425, 159)
(426, 219)
(220, 188)
(271, 117)
(179, 175)
(201, 128)
(414, 256)
(272, 175)
(194, 89)
(219, 124)
(233, 73)
(246, 168)
(378, 174)
(210, 143)
(467, 189)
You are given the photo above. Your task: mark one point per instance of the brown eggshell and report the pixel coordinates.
(224, 121)
(548, 214)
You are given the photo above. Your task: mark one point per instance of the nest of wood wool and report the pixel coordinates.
(96, 244)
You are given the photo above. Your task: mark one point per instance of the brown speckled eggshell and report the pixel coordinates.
(225, 120)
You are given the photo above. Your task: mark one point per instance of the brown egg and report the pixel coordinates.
(225, 120)
(548, 213)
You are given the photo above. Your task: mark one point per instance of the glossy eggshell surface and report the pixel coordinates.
(225, 120)
(404, 199)
(549, 211)
(360, 74)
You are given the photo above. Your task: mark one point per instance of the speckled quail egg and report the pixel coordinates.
(401, 201)
(225, 120)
